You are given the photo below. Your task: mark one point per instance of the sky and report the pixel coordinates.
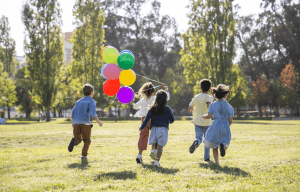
(173, 8)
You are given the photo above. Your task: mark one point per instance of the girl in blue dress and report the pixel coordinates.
(218, 134)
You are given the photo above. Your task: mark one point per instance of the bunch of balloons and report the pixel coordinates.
(117, 71)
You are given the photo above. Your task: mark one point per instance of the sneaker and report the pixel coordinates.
(222, 150)
(153, 154)
(83, 158)
(71, 145)
(156, 163)
(207, 160)
(139, 159)
(193, 146)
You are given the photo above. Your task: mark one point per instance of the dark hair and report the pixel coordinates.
(87, 89)
(205, 84)
(146, 90)
(160, 103)
(220, 91)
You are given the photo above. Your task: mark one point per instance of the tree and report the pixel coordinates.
(283, 22)
(43, 49)
(209, 42)
(260, 93)
(7, 47)
(87, 42)
(289, 86)
(23, 90)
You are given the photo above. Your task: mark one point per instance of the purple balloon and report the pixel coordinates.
(125, 95)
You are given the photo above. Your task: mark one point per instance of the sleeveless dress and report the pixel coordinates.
(219, 131)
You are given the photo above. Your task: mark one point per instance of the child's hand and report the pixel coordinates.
(203, 117)
(140, 129)
(73, 125)
(165, 86)
(100, 124)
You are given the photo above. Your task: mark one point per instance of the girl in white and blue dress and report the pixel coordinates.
(219, 134)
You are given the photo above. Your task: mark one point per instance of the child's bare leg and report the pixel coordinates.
(140, 152)
(216, 155)
(154, 146)
(159, 152)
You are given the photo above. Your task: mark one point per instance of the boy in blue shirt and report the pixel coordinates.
(83, 109)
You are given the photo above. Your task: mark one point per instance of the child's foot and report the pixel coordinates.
(153, 154)
(83, 158)
(217, 163)
(71, 145)
(193, 146)
(139, 159)
(156, 163)
(222, 150)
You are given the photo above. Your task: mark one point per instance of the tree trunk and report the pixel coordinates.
(260, 111)
(8, 112)
(48, 114)
(54, 112)
(276, 112)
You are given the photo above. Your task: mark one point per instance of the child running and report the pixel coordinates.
(161, 116)
(218, 134)
(147, 98)
(84, 108)
(199, 106)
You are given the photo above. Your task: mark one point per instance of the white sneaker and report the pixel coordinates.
(153, 154)
(139, 159)
(156, 163)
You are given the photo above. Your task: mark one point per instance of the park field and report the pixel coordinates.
(262, 156)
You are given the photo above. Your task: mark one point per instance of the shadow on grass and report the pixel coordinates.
(228, 170)
(116, 175)
(82, 165)
(160, 169)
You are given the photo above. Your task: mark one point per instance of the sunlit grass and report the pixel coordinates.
(263, 156)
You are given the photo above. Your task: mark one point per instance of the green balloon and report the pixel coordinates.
(110, 55)
(125, 61)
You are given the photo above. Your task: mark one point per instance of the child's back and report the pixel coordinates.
(200, 108)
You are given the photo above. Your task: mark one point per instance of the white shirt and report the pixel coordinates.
(145, 104)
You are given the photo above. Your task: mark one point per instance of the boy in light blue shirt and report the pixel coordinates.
(81, 113)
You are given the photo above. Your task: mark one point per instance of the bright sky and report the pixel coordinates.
(173, 8)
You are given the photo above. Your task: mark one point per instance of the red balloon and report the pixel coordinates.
(111, 87)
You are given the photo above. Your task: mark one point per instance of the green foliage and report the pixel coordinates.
(24, 95)
(209, 42)
(43, 49)
(87, 42)
(7, 47)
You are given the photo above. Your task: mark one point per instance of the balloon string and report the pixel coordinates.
(150, 79)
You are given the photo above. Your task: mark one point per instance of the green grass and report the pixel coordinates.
(263, 156)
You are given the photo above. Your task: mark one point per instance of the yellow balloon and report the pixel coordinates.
(127, 77)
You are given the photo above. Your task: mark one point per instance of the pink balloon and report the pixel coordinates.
(112, 71)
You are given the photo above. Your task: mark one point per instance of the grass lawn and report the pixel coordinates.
(263, 156)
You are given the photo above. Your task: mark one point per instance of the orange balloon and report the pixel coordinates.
(103, 51)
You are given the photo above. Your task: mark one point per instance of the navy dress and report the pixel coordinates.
(219, 131)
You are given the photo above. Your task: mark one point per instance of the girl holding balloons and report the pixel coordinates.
(147, 98)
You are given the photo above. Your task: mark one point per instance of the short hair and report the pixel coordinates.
(87, 89)
(205, 84)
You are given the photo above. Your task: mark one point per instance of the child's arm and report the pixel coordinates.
(207, 116)
(167, 90)
(191, 105)
(172, 118)
(138, 104)
(146, 120)
(191, 109)
(230, 120)
(94, 114)
(98, 121)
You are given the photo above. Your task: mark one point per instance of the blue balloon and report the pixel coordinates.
(102, 70)
(127, 51)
